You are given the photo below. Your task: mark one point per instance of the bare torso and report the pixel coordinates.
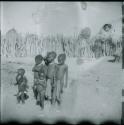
(36, 69)
(51, 69)
(61, 70)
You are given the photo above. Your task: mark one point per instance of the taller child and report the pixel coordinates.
(51, 77)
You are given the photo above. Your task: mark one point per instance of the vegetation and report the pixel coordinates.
(14, 44)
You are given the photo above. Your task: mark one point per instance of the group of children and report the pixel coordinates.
(49, 79)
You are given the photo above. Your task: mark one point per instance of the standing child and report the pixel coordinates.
(51, 77)
(36, 69)
(62, 74)
(41, 87)
(21, 81)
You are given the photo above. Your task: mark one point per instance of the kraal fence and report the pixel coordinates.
(16, 45)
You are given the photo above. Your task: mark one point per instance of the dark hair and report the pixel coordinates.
(53, 53)
(22, 70)
(39, 58)
(107, 25)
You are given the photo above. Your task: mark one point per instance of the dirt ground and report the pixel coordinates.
(93, 93)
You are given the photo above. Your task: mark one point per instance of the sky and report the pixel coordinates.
(59, 17)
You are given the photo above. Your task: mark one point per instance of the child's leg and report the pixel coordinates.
(61, 85)
(53, 92)
(118, 58)
(38, 94)
(35, 91)
(22, 97)
(48, 89)
(18, 98)
(58, 91)
(38, 99)
(42, 95)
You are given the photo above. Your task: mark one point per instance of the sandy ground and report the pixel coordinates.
(93, 93)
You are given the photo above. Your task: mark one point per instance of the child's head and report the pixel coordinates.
(47, 55)
(38, 59)
(51, 56)
(61, 58)
(107, 27)
(21, 71)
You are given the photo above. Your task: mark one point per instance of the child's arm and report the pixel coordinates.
(34, 69)
(66, 76)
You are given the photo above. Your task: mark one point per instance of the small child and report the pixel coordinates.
(36, 69)
(51, 72)
(21, 81)
(61, 75)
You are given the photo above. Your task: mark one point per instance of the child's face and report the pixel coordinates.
(50, 58)
(107, 28)
(38, 61)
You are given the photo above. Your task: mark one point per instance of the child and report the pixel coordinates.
(22, 86)
(51, 72)
(36, 69)
(41, 88)
(62, 71)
